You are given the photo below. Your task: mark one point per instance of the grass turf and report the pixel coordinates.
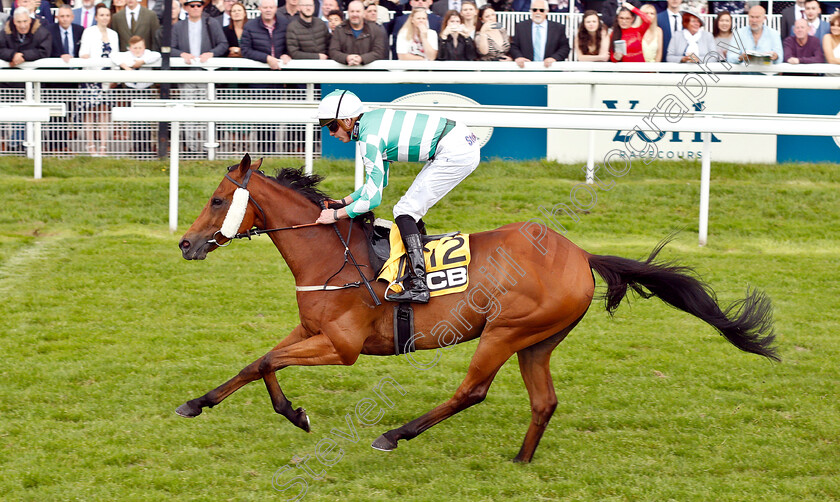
(106, 330)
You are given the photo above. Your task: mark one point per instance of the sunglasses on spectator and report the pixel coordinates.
(330, 124)
(538, 10)
(195, 5)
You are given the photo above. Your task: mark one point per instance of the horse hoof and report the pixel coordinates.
(382, 443)
(302, 419)
(188, 411)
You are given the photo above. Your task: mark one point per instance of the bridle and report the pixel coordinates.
(241, 203)
(251, 231)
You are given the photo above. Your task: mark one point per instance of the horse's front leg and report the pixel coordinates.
(316, 351)
(193, 407)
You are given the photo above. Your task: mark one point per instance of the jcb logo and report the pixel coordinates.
(443, 279)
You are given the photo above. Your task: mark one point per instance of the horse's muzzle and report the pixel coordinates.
(192, 251)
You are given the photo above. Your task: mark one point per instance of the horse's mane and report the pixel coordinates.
(307, 185)
(300, 182)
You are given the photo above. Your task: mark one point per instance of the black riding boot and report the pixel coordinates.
(415, 289)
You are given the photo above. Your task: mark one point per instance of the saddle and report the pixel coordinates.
(379, 242)
(387, 258)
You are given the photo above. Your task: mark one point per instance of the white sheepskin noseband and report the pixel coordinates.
(236, 213)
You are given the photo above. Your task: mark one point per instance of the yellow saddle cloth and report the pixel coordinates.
(447, 262)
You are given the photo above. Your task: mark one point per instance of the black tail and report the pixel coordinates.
(747, 323)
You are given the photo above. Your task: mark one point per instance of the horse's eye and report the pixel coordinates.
(216, 201)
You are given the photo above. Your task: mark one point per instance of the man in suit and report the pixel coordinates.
(670, 20)
(85, 16)
(790, 15)
(66, 36)
(197, 38)
(66, 40)
(135, 19)
(539, 39)
(816, 26)
(397, 23)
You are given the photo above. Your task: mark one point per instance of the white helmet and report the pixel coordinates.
(339, 104)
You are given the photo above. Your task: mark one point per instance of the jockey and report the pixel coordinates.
(450, 150)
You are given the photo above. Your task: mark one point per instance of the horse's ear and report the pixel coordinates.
(245, 164)
(256, 165)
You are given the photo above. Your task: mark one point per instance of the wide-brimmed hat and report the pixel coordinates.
(687, 11)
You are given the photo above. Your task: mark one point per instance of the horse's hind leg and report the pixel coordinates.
(193, 407)
(488, 358)
(536, 372)
(533, 364)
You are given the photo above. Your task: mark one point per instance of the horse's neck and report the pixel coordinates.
(314, 253)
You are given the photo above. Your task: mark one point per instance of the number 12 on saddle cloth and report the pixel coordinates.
(447, 261)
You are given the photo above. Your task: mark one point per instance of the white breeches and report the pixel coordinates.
(457, 155)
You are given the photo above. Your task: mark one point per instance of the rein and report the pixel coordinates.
(256, 231)
(348, 255)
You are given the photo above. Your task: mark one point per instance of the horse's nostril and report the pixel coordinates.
(184, 244)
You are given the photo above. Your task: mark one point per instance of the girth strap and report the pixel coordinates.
(403, 328)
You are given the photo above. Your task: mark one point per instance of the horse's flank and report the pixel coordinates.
(506, 280)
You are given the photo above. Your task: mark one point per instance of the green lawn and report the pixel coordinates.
(106, 330)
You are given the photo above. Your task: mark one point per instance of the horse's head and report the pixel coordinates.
(227, 213)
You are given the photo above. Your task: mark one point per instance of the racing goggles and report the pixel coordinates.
(331, 124)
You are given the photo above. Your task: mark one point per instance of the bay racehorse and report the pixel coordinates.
(539, 283)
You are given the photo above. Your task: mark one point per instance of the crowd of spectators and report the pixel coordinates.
(357, 32)
(127, 34)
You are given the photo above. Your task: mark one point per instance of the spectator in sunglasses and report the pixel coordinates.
(539, 39)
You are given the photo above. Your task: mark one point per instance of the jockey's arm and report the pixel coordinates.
(369, 195)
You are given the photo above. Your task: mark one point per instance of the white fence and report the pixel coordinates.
(86, 129)
(35, 115)
(495, 116)
(306, 73)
